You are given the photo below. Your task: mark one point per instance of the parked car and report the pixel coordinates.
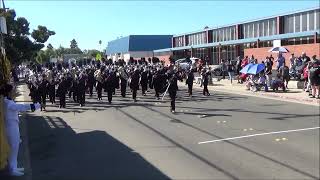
(217, 70)
(185, 63)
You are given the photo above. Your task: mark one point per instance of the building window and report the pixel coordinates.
(266, 28)
(255, 29)
(317, 20)
(304, 21)
(312, 20)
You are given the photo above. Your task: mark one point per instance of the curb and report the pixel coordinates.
(262, 95)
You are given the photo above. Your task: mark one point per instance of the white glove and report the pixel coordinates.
(37, 106)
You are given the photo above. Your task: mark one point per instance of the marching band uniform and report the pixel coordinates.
(100, 81)
(205, 76)
(150, 74)
(61, 91)
(189, 82)
(81, 90)
(157, 83)
(144, 82)
(43, 91)
(124, 80)
(173, 78)
(51, 86)
(134, 84)
(110, 84)
(91, 81)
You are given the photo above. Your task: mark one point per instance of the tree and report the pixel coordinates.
(42, 34)
(93, 53)
(74, 49)
(73, 44)
(17, 43)
(49, 46)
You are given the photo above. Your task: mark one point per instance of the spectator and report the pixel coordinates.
(251, 59)
(223, 68)
(292, 61)
(238, 65)
(314, 76)
(305, 77)
(244, 62)
(262, 81)
(268, 71)
(271, 60)
(305, 59)
(230, 69)
(278, 82)
(297, 62)
(284, 71)
(280, 61)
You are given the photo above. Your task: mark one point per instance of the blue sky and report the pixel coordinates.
(91, 21)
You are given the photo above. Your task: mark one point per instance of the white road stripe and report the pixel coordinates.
(261, 134)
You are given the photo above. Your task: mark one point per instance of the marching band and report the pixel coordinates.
(59, 80)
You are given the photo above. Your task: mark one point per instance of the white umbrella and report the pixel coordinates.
(279, 50)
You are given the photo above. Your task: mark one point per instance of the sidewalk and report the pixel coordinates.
(291, 95)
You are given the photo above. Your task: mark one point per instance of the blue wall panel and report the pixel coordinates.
(149, 42)
(118, 46)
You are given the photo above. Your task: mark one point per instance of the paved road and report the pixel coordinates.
(144, 140)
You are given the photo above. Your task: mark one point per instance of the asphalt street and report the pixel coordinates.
(143, 140)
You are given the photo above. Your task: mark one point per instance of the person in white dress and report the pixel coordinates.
(11, 110)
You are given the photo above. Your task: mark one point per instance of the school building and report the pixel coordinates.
(297, 31)
(136, 46)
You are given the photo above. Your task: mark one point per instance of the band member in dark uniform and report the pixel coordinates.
(51, 85)
(134, 84)
(43, 91)
(110, 80)
(123, 81)
(81, 90)
(91, 81)
(189, 81)
(173, 77)
(61, 91)
(99, 76)
(144, 81)
(156, 79)
(205, 76)
(116, 81)
(150, 74)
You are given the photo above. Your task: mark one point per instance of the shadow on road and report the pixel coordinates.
(58, 152)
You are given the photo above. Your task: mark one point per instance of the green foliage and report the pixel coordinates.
(17, 43)
(42, 34)
(73, 44)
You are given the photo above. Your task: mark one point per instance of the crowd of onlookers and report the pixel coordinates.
(299, 68)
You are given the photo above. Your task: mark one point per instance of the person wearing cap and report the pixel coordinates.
(134, 84)
(81, 91)
(305, 59)
(205, 74)
(110, 79)
(189, 81)
(292, 61)
(173, 76)
(62, 90)
(144, 81)
(280, 61)
(12, 109)
(43, 91)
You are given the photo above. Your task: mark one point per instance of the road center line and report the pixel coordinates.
(261, 134)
